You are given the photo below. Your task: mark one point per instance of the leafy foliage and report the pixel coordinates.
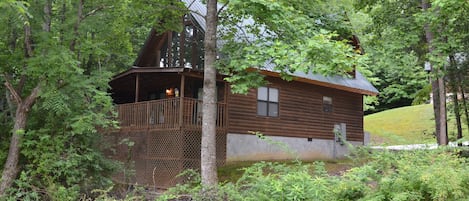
(74, 51)
(395, 46)
(394, 37)
(284, 36)
(411, 175)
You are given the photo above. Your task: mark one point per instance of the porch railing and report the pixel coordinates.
(166, 114)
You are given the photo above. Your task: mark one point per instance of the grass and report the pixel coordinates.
(405, 125)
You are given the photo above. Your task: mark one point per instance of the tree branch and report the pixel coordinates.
(27, 41)
(29, 101)
(13, 92)
(222, 8)
(92, 12)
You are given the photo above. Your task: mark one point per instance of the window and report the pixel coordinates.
(327, 104)
(267, 101)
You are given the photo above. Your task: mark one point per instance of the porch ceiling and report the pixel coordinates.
(151, 80)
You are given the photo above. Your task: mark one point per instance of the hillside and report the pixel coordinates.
(405, 125)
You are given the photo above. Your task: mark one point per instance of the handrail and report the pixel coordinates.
(164, 114)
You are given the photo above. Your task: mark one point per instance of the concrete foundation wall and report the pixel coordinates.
(242, 147)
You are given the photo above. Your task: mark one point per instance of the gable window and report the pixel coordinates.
(327, 104)
(267, 102)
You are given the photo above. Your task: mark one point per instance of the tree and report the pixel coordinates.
(288, 36)
(56, 60)
(431, 30)
(208, 142)
(438, 86)
(23, 106)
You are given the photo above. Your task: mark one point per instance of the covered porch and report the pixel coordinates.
(160, 111)
(170, 113)
(162, 98)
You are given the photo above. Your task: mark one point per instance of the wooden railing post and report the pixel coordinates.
(181, 101)
(148, 114)
(139, 115)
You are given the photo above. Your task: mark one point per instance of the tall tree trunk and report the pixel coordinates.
(443, 134)
(454, 85)
(460, 86)
(209, 112)
(438, 89)
(463, 97)
(458, 116)
(73, 43)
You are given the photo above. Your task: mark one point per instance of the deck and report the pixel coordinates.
(167, 114)
(166, 137)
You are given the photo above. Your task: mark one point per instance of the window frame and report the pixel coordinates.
(327, 104)
(268, 102)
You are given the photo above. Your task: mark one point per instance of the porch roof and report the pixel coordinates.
(136, 69)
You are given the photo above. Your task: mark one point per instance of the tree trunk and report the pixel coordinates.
(464, 104)
(10, 170)
(209, 112)
(436, 108)
(438, 89)
(73, 43)
(23, 106)
(454, 85)
(443, 134)
(458, 116)
(460, 81)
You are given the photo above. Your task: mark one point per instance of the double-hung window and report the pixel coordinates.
(327, 104)
(267, 102)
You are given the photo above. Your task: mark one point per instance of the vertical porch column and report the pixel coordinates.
(137, 86)
(181, 100)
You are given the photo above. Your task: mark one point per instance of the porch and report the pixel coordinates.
(171, 113)
(160, 112)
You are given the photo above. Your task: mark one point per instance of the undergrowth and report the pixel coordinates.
(440, 174)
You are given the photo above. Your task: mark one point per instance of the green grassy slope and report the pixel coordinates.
(408, 125)
(405, 125)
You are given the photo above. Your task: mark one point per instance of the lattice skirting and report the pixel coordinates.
(158, 156)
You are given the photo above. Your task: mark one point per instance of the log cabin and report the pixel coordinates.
(159, 99)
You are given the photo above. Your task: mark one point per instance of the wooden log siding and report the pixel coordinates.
(164, 114)
(300, 112)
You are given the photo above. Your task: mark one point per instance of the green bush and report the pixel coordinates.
(386, 175)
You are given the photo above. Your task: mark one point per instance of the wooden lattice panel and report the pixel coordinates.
(165, 144)
(160, 155)
(162, 172)
(133, 162)
(221, 147)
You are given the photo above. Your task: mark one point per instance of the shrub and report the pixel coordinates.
(409, 175)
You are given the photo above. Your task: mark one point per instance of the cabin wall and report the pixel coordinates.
(301, 112)
(241, 147)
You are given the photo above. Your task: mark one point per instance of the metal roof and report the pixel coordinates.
(199, 10)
